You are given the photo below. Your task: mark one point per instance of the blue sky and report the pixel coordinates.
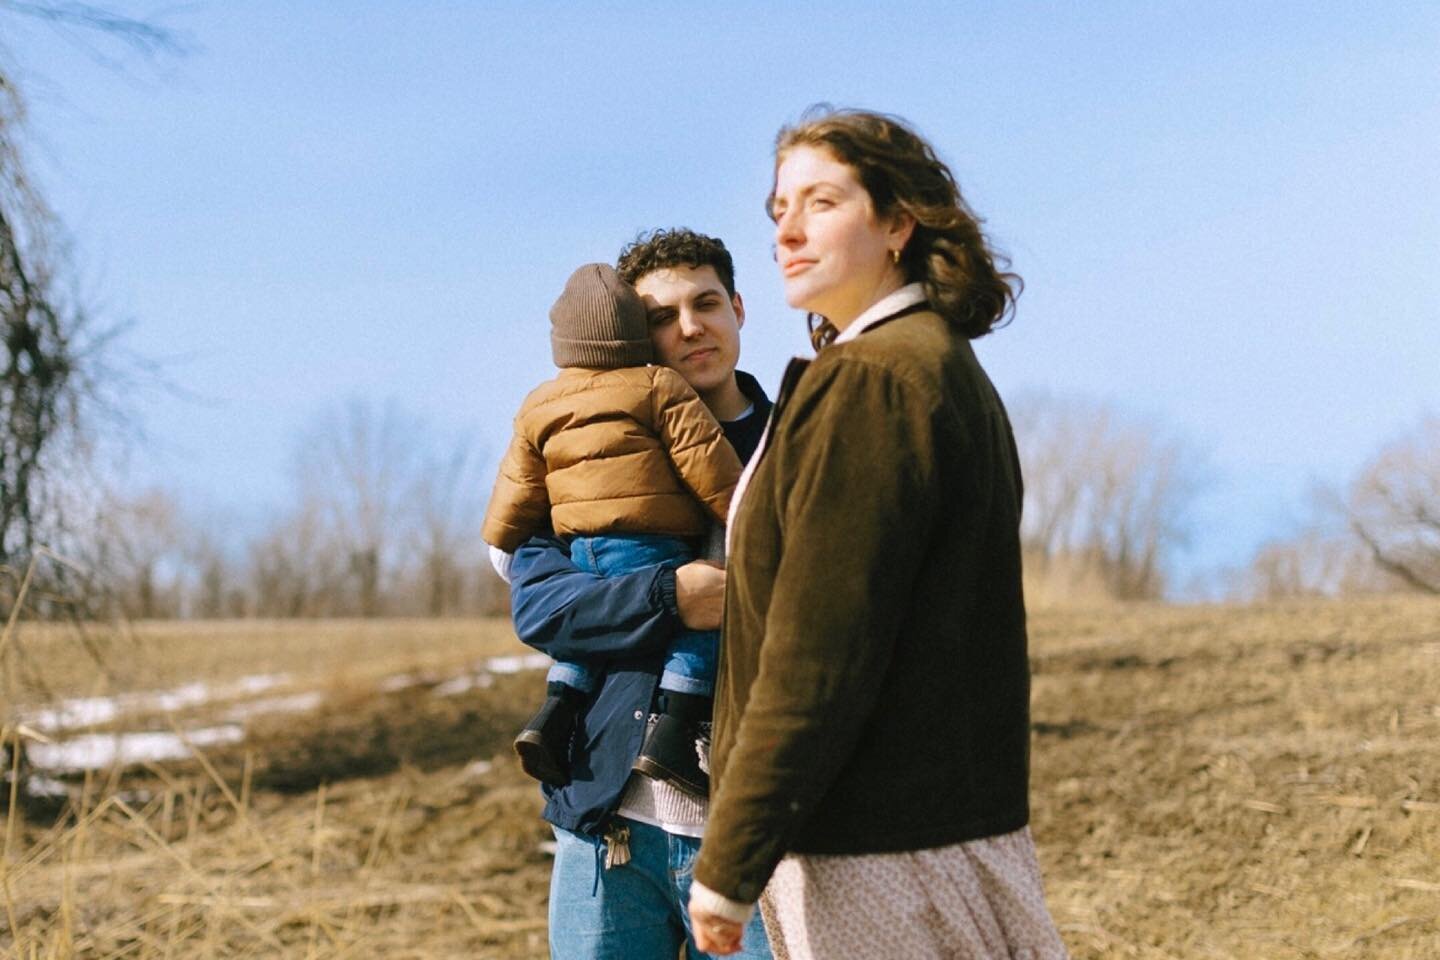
(1227, 214)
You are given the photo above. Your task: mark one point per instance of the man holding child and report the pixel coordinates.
(627, 811)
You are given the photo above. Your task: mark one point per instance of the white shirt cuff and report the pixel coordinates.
(722, 906)
(500, 560)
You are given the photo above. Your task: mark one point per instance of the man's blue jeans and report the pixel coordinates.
(690, 658)
(638, 911)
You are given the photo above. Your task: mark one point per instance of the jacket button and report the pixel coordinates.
(639, 714)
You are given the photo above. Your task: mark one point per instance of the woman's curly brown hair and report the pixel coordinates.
(965, 280)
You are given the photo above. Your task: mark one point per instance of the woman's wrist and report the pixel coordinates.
(703, 898)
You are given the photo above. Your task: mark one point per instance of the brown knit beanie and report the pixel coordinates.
(599, 321)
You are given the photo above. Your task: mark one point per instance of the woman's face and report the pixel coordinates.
(834, 253)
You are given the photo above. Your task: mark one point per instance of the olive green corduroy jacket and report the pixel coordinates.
(629, 450)
(873, 692)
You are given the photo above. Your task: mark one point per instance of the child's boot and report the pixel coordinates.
(671, 751)
(544, 745)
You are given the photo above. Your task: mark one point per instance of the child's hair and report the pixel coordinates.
(677, 247)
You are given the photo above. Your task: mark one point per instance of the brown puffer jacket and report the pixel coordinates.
(631, 450)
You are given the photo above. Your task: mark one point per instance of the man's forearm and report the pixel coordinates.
(574, 615)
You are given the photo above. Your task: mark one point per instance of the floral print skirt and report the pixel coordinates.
(978, 899)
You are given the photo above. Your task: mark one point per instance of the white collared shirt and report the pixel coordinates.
(886, 306)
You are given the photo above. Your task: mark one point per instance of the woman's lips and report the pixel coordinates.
(700, 356)
(792, 267)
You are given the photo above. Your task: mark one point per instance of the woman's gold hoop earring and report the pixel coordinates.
(895, 255)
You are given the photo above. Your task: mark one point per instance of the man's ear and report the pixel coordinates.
(739, 307)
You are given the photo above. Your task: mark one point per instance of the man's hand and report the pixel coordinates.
(700, 594)
(714, 933)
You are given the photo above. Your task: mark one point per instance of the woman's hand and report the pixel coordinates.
(714, 933)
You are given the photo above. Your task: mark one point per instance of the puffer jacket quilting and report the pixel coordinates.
(629, 450)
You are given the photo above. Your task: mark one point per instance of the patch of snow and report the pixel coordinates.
(96, 751)
(77, 712)
(452, 687)
(295, 703)
(260, 682)
(190, 695)
(45, 787)
(80, 712)
(464, 684)
(478, 768)
(516, 663)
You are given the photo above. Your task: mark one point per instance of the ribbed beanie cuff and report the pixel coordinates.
(601, 354)
(599, 321)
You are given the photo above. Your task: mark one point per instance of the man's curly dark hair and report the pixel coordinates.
(677, 247)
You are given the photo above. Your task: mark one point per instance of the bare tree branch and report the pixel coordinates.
(1393, 507)
(55, 358)
(142, 36)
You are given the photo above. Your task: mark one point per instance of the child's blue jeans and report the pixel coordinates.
(690, 658)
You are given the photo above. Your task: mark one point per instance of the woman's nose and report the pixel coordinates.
(788, 229)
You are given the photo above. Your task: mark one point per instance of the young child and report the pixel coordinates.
(624, 459)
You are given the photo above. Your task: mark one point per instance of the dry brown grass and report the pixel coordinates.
(1223, 782)
(62, 660)
(383, 822)
(1209, 782)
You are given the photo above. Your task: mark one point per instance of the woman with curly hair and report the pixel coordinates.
(870, 765)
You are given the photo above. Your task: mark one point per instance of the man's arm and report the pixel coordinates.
(573, 615)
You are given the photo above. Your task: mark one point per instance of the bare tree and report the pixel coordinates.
(42, 387)
(53, 361)
(1106, 497)
(1393, 507)
(140, 540)
(295, 568)
(215, 589)
(447, 503)
(1313, 563)
(358, 464)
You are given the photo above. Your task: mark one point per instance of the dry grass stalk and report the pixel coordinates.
(10, 819)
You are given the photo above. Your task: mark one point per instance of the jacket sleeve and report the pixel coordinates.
(855, 481)
(703, 458)
(519, 505)
(569, 614)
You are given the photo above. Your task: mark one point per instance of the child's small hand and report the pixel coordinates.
(700, 594)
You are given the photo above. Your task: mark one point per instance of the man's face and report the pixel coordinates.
(694, 324)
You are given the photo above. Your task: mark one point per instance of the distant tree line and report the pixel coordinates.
(382, 520)
(1378, 533)
(383, 516)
